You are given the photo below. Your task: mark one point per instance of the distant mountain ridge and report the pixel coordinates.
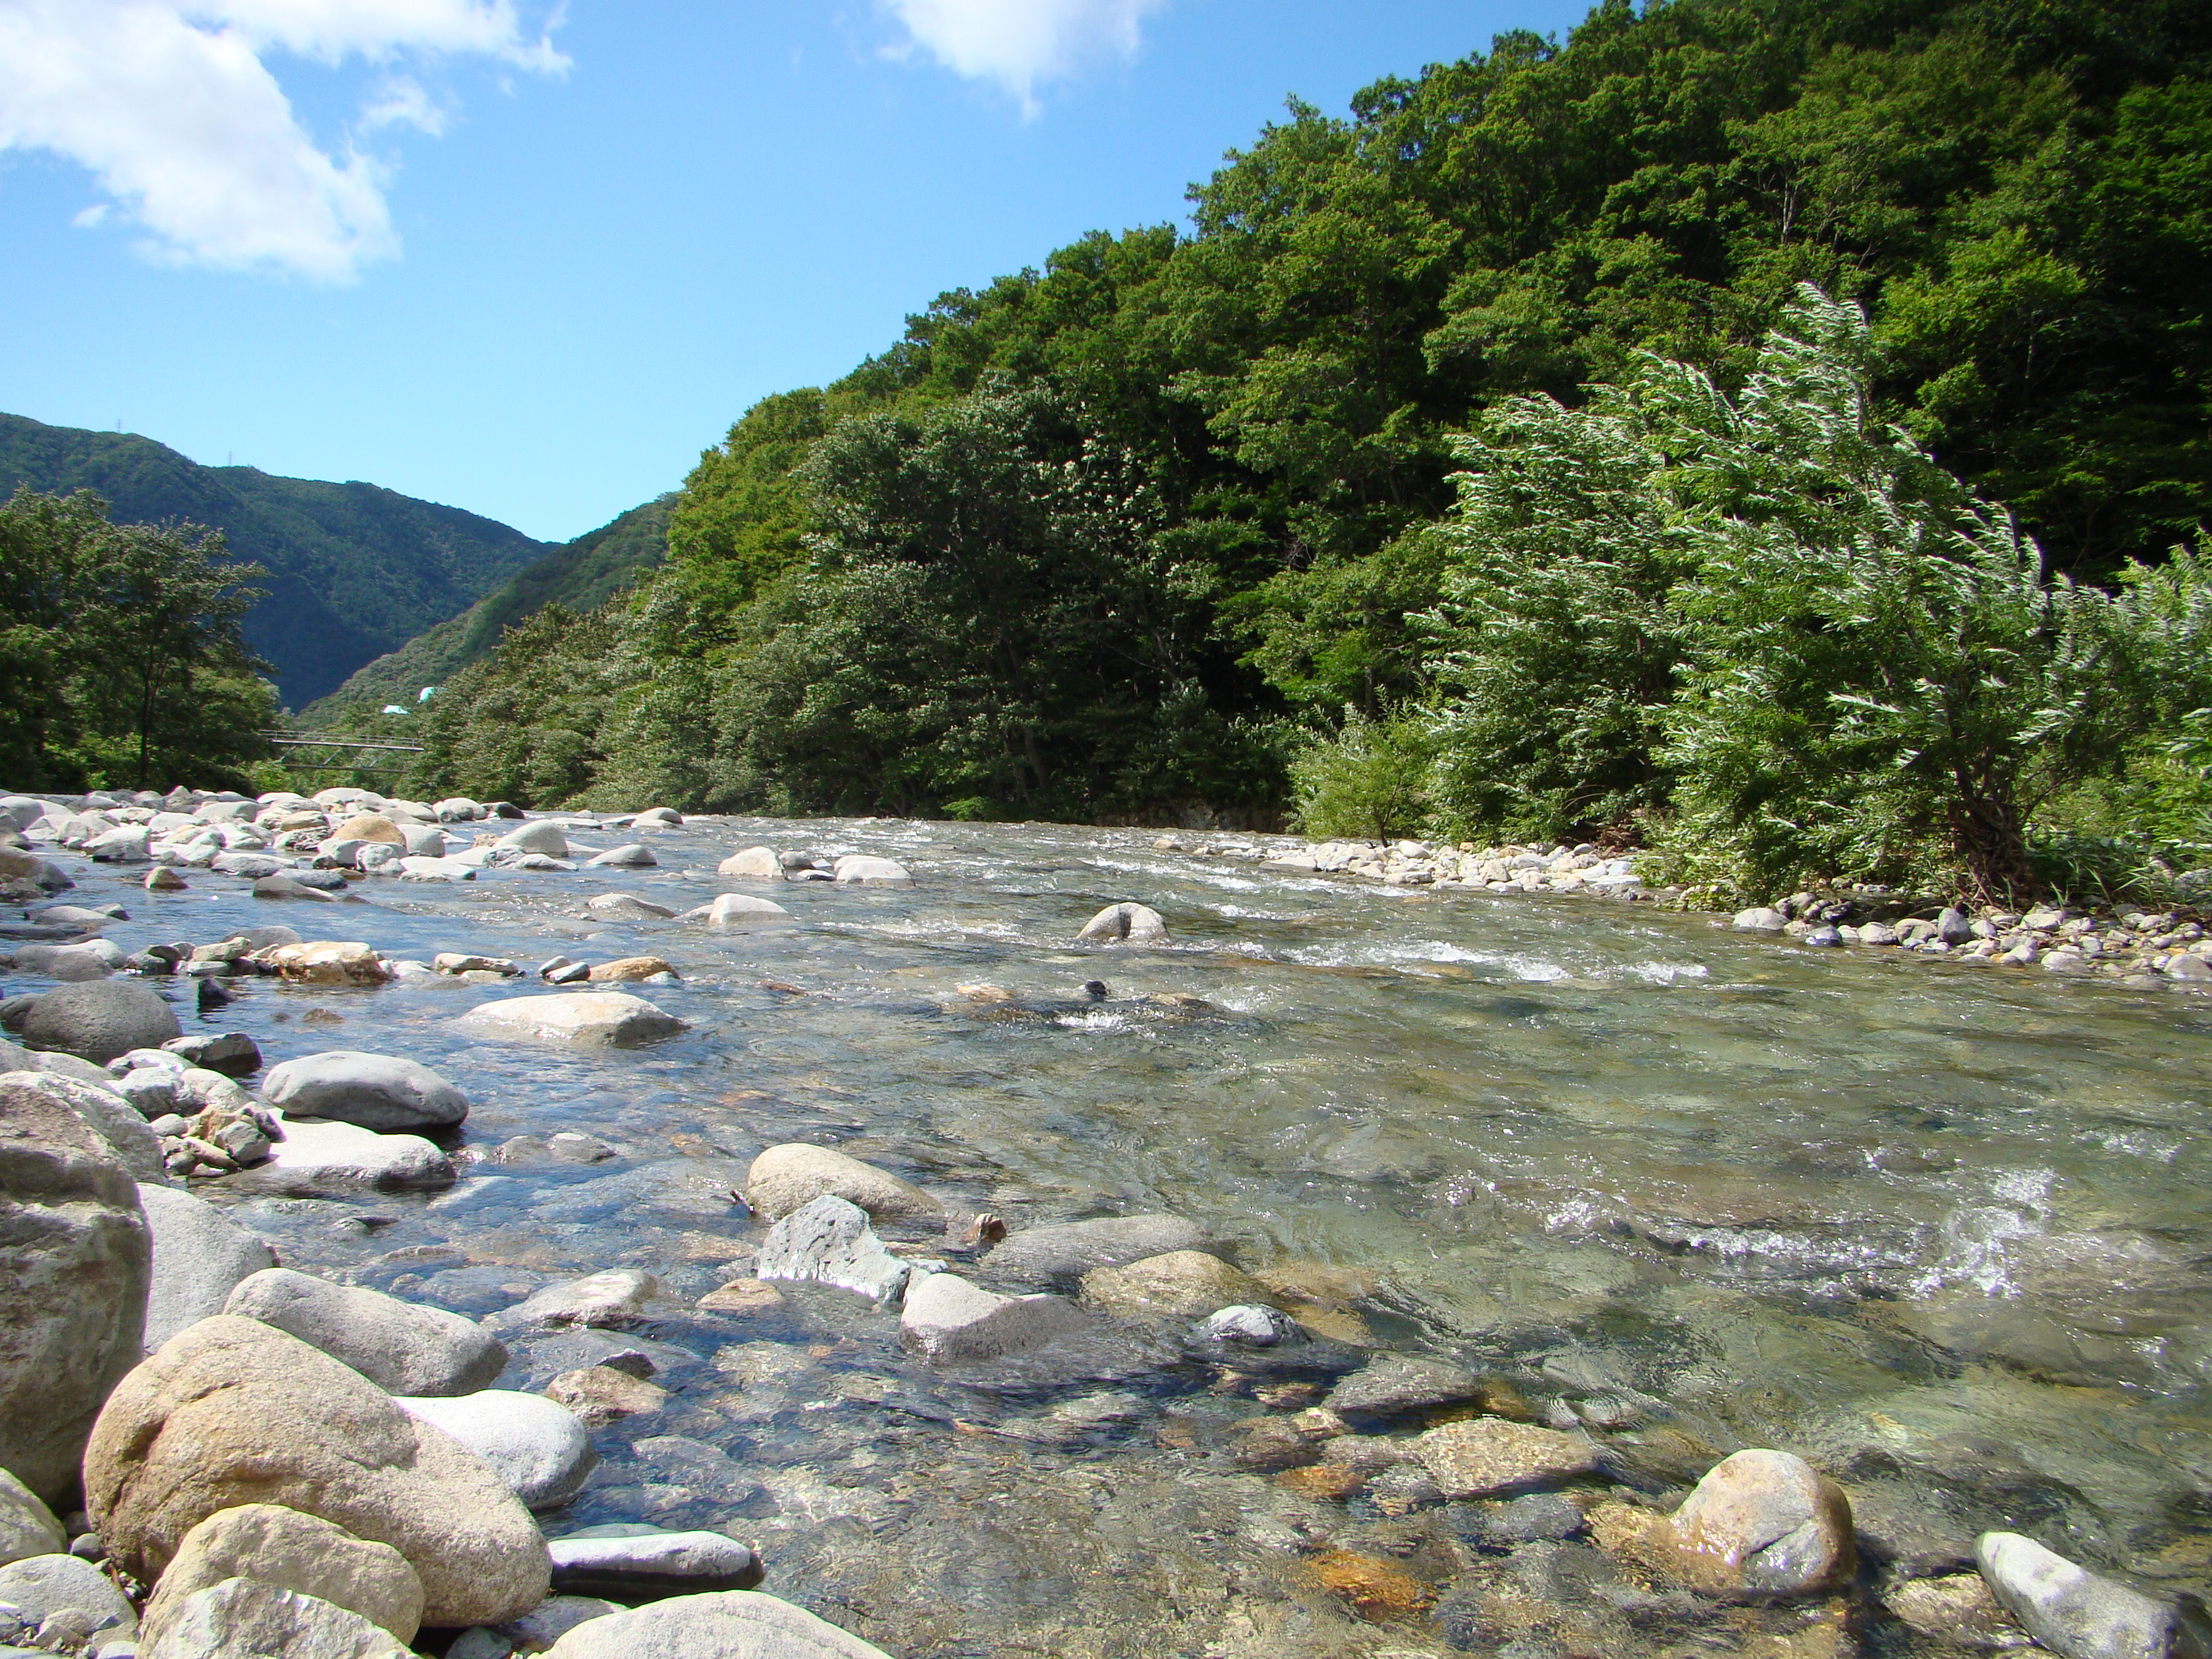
(355, 570)
(579, 574)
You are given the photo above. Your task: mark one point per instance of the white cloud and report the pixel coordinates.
(1021, 43)
(171, 105)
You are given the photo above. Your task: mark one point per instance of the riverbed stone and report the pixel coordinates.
(1957, 1609)
(1070, 1249)
(626, 907)
(1766, 1524)
(232, 1411)
(27, 1527)
(86, 960)
(316, 1157)
(234, 1053)
(858, 870)
(753, 864)
(1397, 1382)
(1759, 918)
(325, 962)
(40, 1586)
(1488, 1456)
(537, 836)
(949, 1320)
(628, 970)
(402, 1347)
(532, 1444)
(1125, 924)
(1251, 1325)
(200, 1256)
(2073, 1611)
(108, 1113)
(635, 1563)
(741, 911)
(284, 1549)
(242, 1618)
(374, 1091)
(597, 1395)
(76, 1256)
(99, 1020)
(786, 1178)
(370, 826)
(828, 1241)
(580, 1019)
(1188, 1283)
(633, 855)
(732, 1625)
(604, 1301)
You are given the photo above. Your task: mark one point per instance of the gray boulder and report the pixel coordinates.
(643, 1564)
(1251, 1325)
(535, 837)
(100, 1020)
(829, 1242)
(75, 1255)
(232, 1052)
(200, 1256)
(636, 855)
(27, 1527)
(104, 1109)
(2072, 1612)
(1398, 1382)
(40, 1586)
(374, 1091)
(949, 1320)
(1759, 918)
(1125, 924)
(734, 1624)
(89, 959)
(537, 1448)
(401, 1346)
(335, 1157)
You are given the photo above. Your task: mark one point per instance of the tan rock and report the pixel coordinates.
(1957, 1609)
(1488, 1455)
(578, 1020)
(287, 1550)
(599, 1394)
(1186, 1283)
(624, 969)
(789, 1177)
(1766, 1522)
(245, 1619)
(743, 1296)
(231, 1411)
(325, 962)
(369, 827)
(730, 1625)
(754, 864)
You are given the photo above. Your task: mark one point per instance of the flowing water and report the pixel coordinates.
(1941, 1228)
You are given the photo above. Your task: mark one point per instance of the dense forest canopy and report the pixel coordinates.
(1115, 538)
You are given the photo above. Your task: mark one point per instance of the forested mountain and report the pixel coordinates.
(579, 574)
(1114, 538)
(354, 569)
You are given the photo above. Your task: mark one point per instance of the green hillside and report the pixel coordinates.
(578, 575)
(354, 570)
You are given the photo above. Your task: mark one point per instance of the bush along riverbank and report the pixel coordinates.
(210, 1451)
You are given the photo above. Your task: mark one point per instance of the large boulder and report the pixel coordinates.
(40, 1586)
(740, 912)
(786, 1178)
(18, 865)
(732, 1625)
(1125, 924)
(634, 855)
(374, 1091)
(76, 1257)
(336, 1158)
(245, 1619)
(86, 960)
(100, 1020)
(370, 826)
(579, 1019)
(857, 870)
(754, 864)
(401, 1346)
(200, 1254)
(104, 1110)
(1766, 1524)
(234, 1411)
(537, 1446)
(286, 1550)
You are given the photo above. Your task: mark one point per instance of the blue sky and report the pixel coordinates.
(529, 260)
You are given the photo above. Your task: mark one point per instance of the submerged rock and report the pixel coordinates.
(611, 1300)
(948, 1319)
(1767, 1524)
(1189, 1283)
(1488, 1457)
(1068, 1249)
(626, 907)
(1398, 1382)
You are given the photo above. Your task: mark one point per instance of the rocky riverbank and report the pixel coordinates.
(212, 1451)
(2144, 949)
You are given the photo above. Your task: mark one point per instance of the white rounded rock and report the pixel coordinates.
(857, 870)
(537, 1448)
(374, 1091)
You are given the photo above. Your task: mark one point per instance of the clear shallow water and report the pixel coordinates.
(1944, 1229)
